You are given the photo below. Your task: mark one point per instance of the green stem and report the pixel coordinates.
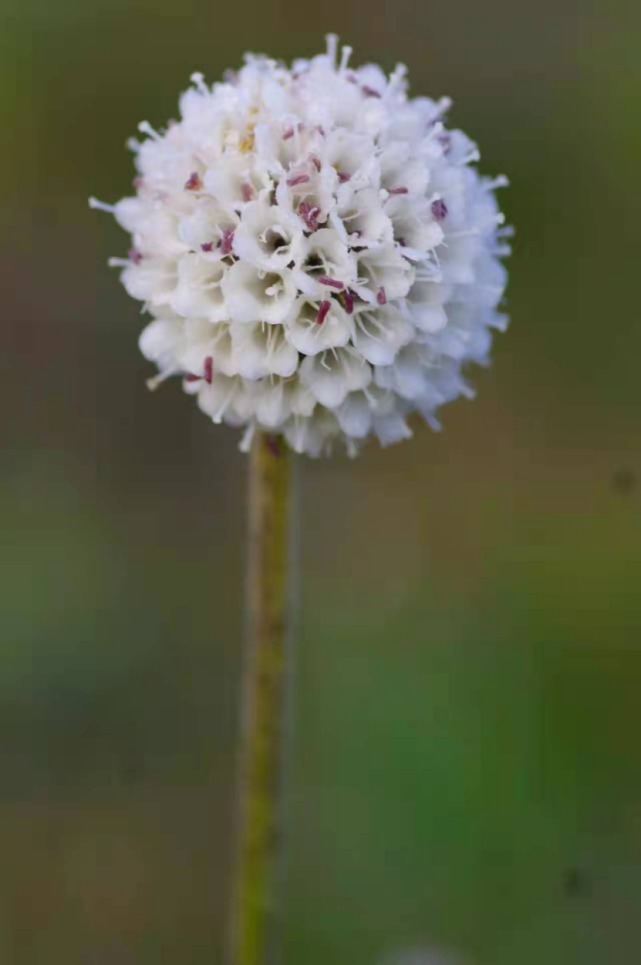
(264, 704)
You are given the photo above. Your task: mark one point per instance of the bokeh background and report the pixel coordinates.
(466, 767)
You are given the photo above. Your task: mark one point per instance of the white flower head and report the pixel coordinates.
(318, 253)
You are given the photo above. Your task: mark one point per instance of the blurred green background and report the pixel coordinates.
(466, 769)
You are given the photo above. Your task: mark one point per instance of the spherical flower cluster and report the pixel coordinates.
(319, 256)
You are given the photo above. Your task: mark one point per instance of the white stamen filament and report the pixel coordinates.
(102, 206)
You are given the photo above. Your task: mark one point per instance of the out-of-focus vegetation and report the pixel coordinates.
(465, 770)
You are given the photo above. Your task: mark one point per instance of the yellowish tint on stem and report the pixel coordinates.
(264, 699)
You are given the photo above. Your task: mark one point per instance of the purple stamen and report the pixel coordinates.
(298, 179)
(369, 91)
(343, 176)
(401, 190)
(309, 213)
(347, 298)
(135, 255)
(247, 192)
(381, 296)
(274, 444)
(288, 133)
(207, 246)
(439, 209)
(190, 377)
(323, 309)
(209, 369)
(331, 282)
(193, 182)
(227, 241)
(315, 161)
